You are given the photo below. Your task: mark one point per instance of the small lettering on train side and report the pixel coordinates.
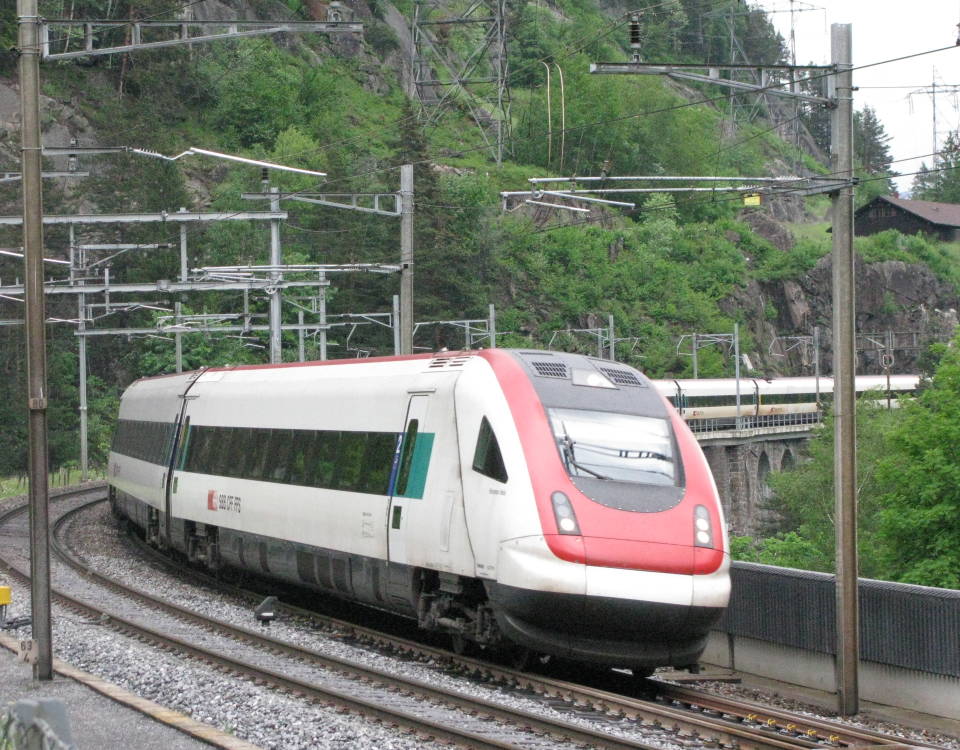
(223, 501)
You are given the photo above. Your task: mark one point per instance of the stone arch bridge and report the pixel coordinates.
(741, 461)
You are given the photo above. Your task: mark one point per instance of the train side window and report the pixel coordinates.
(196, 456)
(303, 456)
(211, 442)
(377, 462)
(157, 443)
(216, 458)
(350, 461)
(184, 446)
(406, 456)
(169, 430)
(259, 453)
(281, 448)
(302, 450)
(155, 446)
(487, 458)
(238, 453)
(222, 456)
(207, 456)
(241, 445)
(136, 440)
(324, 461)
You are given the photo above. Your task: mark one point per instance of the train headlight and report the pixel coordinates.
(563, 513)
(702, 528)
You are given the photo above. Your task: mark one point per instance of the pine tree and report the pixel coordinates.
(871, 155)
(941, 182)
(870, 140)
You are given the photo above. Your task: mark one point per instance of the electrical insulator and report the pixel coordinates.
(635, 36)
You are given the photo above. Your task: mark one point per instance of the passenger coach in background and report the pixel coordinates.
(710, 404)
(524, 500)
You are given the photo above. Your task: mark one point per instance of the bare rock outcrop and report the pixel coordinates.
(901, 304)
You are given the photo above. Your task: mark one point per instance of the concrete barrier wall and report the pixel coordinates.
(934, 694)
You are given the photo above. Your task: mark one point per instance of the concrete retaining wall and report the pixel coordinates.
(934, 694)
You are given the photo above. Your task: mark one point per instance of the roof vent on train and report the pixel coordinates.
(547, 369)
(621, 377)
(448, 363)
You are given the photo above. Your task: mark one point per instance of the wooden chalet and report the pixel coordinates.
(941, 220)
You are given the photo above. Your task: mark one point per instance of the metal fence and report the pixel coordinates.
(749, 422)
(40, 724)
(914, 627)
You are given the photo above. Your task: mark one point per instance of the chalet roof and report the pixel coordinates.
(946, 214)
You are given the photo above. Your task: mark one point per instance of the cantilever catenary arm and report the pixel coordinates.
(229, 157)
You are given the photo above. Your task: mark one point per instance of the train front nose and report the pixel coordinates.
(585, 605)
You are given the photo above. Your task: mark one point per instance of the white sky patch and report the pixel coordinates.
(885, 29)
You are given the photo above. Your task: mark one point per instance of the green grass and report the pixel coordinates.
(815, 231)
(12, 486)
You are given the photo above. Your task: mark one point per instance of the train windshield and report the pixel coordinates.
(608, 446)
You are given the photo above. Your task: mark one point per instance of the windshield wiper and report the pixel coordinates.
(645, 454)
(569, 457)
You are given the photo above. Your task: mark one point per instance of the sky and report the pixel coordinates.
(882, 30)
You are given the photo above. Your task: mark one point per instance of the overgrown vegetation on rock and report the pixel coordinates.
(668, 267)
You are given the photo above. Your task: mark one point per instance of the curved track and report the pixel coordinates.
(430, 710)
(690, 712)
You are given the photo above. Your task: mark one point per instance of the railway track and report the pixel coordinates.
(412, 705)
(672, 709)
(435, 712)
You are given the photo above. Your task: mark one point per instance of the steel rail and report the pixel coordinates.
(830, 732)
(322, 695)
(525, 720)
(748, 725)
(753, 720)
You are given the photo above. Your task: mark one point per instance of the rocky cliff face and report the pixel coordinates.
(61, 121)
(899, 304)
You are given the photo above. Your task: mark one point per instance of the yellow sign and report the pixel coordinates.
(751, 199)
(4, 595)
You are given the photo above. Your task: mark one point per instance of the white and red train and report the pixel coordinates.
(550, 501)
(710, 404)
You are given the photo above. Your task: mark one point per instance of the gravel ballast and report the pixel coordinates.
(260, 715)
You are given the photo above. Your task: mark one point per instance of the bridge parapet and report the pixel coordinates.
(755, 434)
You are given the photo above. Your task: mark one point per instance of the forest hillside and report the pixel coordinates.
(672, 265)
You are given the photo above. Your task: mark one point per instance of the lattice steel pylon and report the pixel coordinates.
(475, 77)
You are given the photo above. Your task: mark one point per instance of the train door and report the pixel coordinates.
(179, 434)
(485, 494)
(409, 476)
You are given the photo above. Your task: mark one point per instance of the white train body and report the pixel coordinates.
(442, 488)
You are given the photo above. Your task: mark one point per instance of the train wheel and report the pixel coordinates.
(460, 645)
(643, 687)
(518, 657)
(523, 659)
